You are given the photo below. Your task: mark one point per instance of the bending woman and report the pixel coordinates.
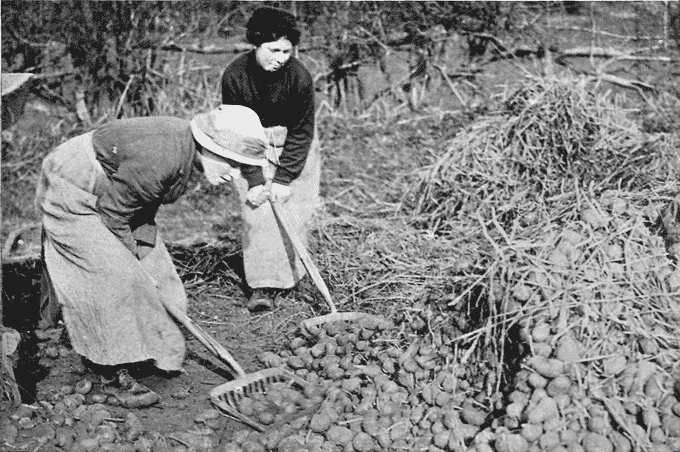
(105, 268)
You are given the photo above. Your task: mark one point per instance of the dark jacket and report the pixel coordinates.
(148, 162)
(281, 98)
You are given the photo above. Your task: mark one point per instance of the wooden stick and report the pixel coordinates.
(304, 255)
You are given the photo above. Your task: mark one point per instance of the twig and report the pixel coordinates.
(123, 95)
(452, 87)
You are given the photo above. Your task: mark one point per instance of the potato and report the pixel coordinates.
(531, 432)
(594, 442)
(265, 418)
(400, 431)
(549, 440)
(384, 440)
(657, 435)
(522, 292)
(406, 379)
(363, 442)
(230, 447)
(537, 380)
(671, 425)
(441, 439)
(442, 398)
(545, 409)
(270, 359)
(653, 388)
(340, 436)
(473, 416)
(318, 350)
(98, 398)
(138, 400)
(511, 443)
(294, 443)
(295, 362)
(569, 436)
(548, 367)
(540, 332)
(351, 385)
(614, 365)
(83, 386)
(514, 410)
(252, 446)
(568, 349)
(650, 418)
(410, 366)
(559, 385)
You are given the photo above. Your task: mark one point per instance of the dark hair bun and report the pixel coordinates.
(269, 24)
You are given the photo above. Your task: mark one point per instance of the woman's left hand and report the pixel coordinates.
(280, 193)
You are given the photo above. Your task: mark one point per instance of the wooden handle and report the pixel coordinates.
(199, 333)
(304, 255)
(204, 338)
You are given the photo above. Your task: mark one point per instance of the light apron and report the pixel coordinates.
(110, 301)
(269, 259)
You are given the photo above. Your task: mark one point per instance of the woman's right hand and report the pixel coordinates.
(257, 195)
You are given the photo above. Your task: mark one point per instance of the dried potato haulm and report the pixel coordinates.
(546, 138)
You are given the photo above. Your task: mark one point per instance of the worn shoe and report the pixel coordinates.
(262, 299)
(128, 392)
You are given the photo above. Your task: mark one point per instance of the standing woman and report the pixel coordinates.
(276, 85)
(106, 270)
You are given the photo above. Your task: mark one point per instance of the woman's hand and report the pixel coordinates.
(257, 195)
(280, 193)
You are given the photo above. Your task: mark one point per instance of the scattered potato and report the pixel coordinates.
(594, 442)
(511, 443)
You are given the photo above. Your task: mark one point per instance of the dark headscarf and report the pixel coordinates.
(269, 24)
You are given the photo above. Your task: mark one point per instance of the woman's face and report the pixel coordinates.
(271, 56)
(216, 169)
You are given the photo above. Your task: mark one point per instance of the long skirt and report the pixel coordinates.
(269, 259)
(109, 300)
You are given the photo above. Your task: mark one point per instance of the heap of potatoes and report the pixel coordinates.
(380, 395)
(598, 300)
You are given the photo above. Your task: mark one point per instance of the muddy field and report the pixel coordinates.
(516, 234)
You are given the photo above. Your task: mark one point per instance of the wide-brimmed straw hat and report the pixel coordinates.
(223, 130)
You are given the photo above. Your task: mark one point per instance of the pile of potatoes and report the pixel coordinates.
(564, 402)
(598, 301)
(380, 395)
